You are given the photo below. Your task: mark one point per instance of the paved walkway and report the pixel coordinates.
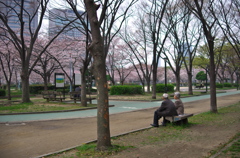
(33, 137)
(120, 106)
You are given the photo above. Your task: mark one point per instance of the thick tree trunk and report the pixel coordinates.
(177, 81)
(25, 86)
(99, 70)
(213, 97)
(45, 83)
(9, 90)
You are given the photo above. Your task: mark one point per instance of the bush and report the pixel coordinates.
(219, 85)
(126, 89)
(227, 85)
(160, 88)
(37, 89)
(2, 92)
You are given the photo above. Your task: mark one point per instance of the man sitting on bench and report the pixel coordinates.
(167, 108)
(178, 104)
(78, 89)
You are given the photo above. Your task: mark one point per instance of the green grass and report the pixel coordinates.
(234, 149)
(31, 107)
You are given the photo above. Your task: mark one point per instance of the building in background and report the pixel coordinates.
(58, 18)
(11, 10)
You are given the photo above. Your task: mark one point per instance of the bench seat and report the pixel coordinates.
(52, 96)
(179, 120)
(76, 96)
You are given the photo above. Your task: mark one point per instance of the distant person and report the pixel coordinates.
(167, 108)
(78, 89)
(178, 104)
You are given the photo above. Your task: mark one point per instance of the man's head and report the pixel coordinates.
(176, 95)
(165, 96)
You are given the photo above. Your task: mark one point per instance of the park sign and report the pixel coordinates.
(77, 79)
(59, 80)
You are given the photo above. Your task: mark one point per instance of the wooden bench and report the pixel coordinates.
(179, 120)
(52, 96)
(199, 86)
(76, 96)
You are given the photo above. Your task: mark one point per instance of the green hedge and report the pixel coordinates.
(160, 88)
(126, 89)
(37, 89)
(219, 85)
(227, 85)
(2, 92)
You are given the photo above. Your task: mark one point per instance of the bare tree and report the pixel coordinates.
(46, 65)
(102, 35)
(137, 47)
(227, 16)
(7, 63)
(158, 31)
(202, 10)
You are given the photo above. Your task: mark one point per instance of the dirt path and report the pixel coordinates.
(38, 138)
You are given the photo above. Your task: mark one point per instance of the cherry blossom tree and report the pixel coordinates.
(8, 63)
(25, 38)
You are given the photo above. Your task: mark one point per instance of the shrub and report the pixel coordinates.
(160, 88)
(227, 85)
(2, 92)
(219, 85)
(37, 89)
(126, 89)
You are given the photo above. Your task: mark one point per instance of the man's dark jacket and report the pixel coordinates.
(167, 108)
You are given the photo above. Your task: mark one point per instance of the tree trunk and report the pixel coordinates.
(83, 89)
(190, 90)
(99, 70)
(45, 82)
(25, 85)
(213, 97)
(177, 81)
(9, 90)
(148, 86)
(154, 86)
(154, 81)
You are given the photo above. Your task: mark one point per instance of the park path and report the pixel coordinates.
(119, 106)
(35, 138)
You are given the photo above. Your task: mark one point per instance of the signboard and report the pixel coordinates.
(59, 80)
(77, 79)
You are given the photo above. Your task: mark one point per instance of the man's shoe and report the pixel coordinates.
(154, 125)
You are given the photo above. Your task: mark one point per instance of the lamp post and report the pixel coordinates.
(165, 88)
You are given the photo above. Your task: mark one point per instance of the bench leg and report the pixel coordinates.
(181, 122)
